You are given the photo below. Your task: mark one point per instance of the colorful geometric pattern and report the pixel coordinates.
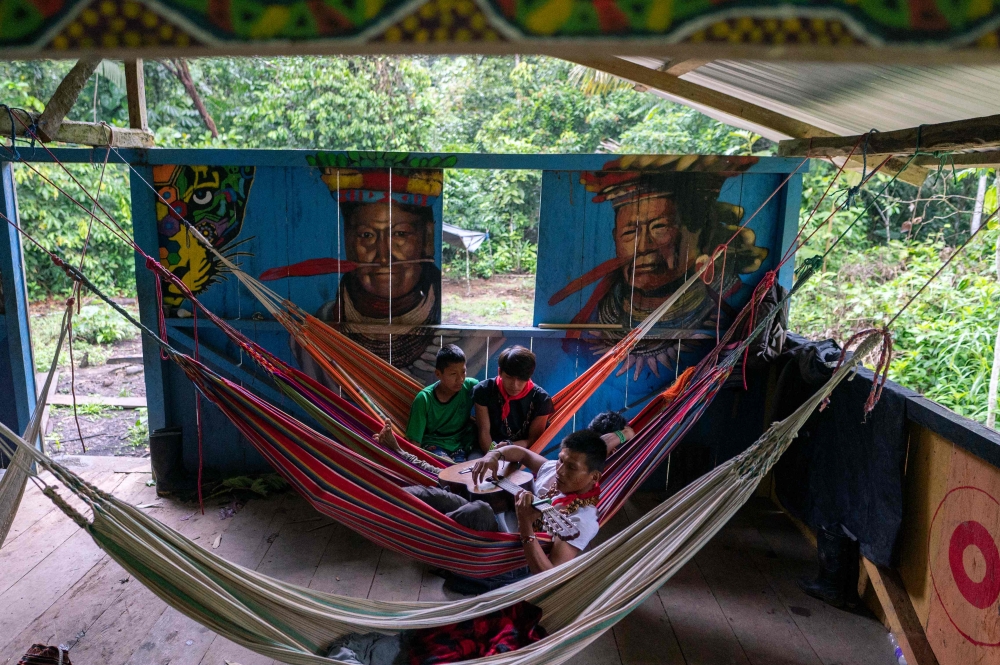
(443, 21)
(116, 23)
(777, 32)
(39, 26)
(211, 198)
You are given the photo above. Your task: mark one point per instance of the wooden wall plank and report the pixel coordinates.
(903, 620)
(963, 624)
(928, 467)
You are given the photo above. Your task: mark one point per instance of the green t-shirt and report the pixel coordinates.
(446, 426)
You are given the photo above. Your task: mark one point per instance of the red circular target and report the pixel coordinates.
(965, 563)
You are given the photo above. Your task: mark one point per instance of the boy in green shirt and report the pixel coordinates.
(440, 418)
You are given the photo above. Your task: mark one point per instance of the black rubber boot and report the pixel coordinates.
(837, 581)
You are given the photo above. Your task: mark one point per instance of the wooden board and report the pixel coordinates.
(963, 623)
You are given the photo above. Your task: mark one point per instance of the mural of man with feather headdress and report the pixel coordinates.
(666, 226)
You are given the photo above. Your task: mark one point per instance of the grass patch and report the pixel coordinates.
(138, 432)
(96, 329)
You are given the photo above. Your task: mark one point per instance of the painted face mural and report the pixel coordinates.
(388, 226)
(214, 200)
(666, 225)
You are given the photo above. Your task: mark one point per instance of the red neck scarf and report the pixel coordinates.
(567, 499)
(505, 410)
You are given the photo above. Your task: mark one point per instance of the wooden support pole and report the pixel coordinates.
(941, 137)
(900, 615)
(81, 133)
(758, 115)
(135, 93)
(64, 97)
(17, 372)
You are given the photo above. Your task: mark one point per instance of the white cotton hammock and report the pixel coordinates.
(580, 599)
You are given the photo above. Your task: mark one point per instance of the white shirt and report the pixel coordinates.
(584, 518)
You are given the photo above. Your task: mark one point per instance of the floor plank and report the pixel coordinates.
(762, 624)
(396, 578)
(21, 554)
(138, 626)
(36, 591)
(646, 637)
(783, 556)
(703, 633)
(734, 604)
(348, 564)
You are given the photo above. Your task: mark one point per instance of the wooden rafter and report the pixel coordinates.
(900, 615)
(681, 66)
(80, 133)
(135, 93)
(758, 115)
(941, 137)
(52, 125)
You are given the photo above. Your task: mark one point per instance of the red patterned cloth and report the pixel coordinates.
(506, 630)
(39, 654)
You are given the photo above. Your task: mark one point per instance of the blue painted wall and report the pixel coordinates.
(290, 217)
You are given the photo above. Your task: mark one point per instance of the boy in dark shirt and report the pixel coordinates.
(510, 409)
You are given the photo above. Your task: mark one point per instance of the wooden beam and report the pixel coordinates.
(81, 133)
(901, 616)
(135, 93)
(944, 137)
(681, 66)
(758, 115)
(64, 97)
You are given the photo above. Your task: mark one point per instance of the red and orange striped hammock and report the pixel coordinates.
(383, 391)
(347, 475)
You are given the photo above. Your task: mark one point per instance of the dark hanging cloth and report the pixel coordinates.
(843, 470)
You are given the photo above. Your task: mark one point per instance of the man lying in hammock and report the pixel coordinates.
(572, 481)
(510, 408)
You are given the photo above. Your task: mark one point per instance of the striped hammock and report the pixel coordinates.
(386, 392)
(580, 599)
(357, 492)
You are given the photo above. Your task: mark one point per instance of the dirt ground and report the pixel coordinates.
(109, 371)
(504, 300)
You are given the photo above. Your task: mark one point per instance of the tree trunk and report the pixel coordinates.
(179, 68)
(977, 211)
(991, 407)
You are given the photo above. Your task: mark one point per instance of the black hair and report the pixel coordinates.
(449, 354)
(607, 422)
(591, 445)
(517, 362)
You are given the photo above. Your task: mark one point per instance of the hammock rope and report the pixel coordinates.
(580, 599)
(337, 479)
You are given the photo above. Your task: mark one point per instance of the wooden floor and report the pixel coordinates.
(736, 602)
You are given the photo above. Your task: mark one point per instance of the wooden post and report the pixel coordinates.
(64, 97)
(791, 203)
(900, 615)
(135, 93)
(17, 366)
(144, 230)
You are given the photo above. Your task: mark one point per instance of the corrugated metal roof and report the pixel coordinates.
(850, 98)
